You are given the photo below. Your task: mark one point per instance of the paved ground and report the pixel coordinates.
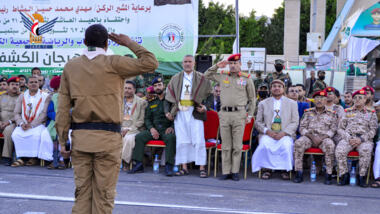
(38, 190)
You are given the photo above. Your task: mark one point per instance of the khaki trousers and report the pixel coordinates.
(95, 175)
(232, 126)
(8, 142)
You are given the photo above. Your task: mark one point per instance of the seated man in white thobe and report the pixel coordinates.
(277, 122)
(31, 138)
(133, 120)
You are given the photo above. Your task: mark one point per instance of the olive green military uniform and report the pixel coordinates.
(155, 118)
(93, 91)
(279, 75)
(319, 85)
(238, 100)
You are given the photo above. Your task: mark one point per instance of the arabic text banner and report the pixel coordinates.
(48, 33)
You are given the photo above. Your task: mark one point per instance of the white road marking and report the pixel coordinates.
(34, 213)
(4, 182)
(338, 204)
(206, 195)
(130, 203)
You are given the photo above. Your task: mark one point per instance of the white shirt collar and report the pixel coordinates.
(92, 54)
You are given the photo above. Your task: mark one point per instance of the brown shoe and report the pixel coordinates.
(32, 162)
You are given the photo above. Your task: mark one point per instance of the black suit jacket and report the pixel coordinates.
(209, 103)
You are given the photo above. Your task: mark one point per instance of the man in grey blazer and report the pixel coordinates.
(309, 84)
(277, 122)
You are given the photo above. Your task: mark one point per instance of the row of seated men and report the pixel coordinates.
(27, 122)
(335, 129)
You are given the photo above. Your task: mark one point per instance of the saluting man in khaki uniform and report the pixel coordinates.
(238, 102)
(92, 87)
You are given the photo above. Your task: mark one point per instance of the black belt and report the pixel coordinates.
(112, 127)
(230, 108)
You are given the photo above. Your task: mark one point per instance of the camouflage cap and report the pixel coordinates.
(279, 62)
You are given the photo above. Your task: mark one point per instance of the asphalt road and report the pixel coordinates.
(37, 190)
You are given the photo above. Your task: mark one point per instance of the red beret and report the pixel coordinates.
(369, 88)
(55, 82)
(320, 94)
(376, 10)
(360, 92)
(234, 57)
(150, 89)
(13, 79)
(329, 89)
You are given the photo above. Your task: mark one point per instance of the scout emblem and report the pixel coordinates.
(184, 104)
(276, 125)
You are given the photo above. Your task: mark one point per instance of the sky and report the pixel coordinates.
(262, 7)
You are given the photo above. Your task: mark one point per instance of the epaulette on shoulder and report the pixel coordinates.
(348, 109)
(330, 110)
(371, 109)
(242, 74)
(309, 109)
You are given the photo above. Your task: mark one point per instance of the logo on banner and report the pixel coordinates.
(33, 24)
(171, 37)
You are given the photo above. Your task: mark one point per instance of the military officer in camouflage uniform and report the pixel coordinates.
(338, 109)
(259, 80)
(318, 126)
(158, 128)
(279, 66)
(320, 84)
(238, 101)
(357, 128)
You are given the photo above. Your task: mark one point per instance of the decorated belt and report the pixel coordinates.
(186, 103)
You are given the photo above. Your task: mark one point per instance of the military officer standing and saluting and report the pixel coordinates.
(92, 87)
(357, 128)
(237, 91)
(279, 66)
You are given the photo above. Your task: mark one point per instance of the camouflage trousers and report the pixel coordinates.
(365, 152)
(304, 143)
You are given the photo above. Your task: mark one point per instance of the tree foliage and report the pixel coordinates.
(219, 19)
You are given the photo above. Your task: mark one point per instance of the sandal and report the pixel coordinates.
(50, 166)
(285, 176)
(31, 162)
(17, 163)
(266, 175)
(376, 183)
(203, 174)
(61, 165)
(182, 172)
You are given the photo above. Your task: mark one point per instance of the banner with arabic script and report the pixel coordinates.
(48, 33)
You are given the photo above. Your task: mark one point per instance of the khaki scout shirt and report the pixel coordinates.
(236, 90)
(358, 124)
(93, 90)
(324, 123)
(7, 106)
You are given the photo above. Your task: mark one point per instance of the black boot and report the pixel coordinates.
(235, 176)
(169, 169)
(362, 182)
(138, 168)
(225, 177)
(7, 161)
(344, 180)
(299, 177)
(328, 179)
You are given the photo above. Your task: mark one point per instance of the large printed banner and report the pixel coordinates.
(48, 33)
